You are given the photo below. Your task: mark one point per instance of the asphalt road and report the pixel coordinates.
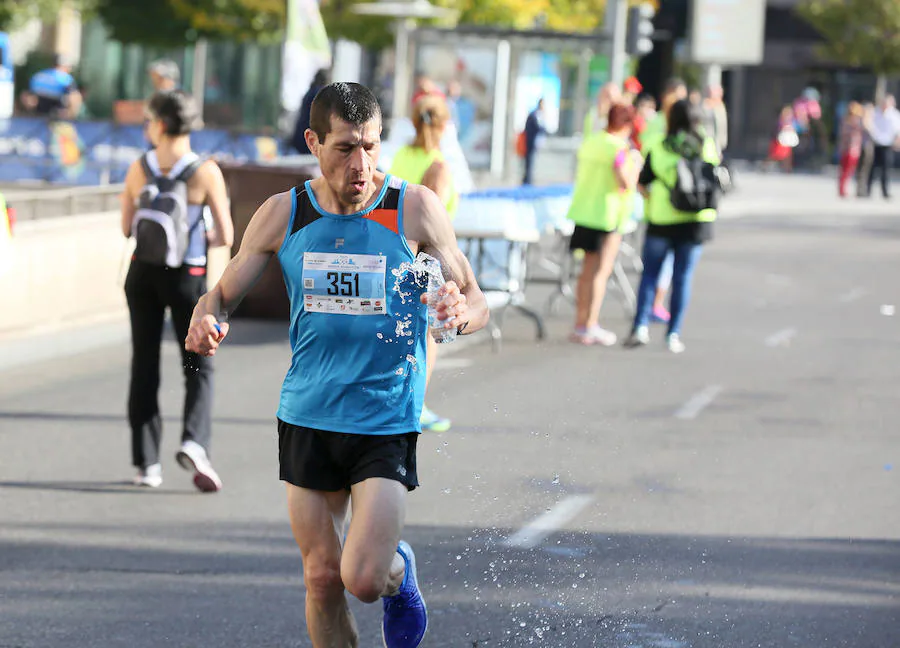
(743, 494)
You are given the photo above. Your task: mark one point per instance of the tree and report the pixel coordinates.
(16, 13)
(173, 23)
(562, 15)
(861, 33)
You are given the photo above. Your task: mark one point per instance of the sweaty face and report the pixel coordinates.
(348, 157)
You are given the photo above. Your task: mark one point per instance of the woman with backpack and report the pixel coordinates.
(163, 204)
(682, 229)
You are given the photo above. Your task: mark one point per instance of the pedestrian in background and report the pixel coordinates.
(602, 203)
(534, 128)
(867, 152)
(885, 132)
(298, 140)
(850, 143)
(715, 116)
(421, 162)
(53, 92)
(595, 120)
(784, 140)
(670, 229)
(170, 272)
(164, 75)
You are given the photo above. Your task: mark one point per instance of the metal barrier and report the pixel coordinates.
(34, 203)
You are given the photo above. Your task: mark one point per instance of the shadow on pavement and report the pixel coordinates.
(121, 418)
(238, 584)
(115, 487)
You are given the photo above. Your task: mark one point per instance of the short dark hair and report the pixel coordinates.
(350, 102)
(177, 110)
(673, 84)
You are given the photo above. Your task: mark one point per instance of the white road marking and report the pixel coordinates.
(453, 363)
(698, 402)
(852, 295)
(535, 531)
(781, 338)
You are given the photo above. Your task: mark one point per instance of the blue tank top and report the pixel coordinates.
(357, 327)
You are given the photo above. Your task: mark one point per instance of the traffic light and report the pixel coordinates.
(639, 40)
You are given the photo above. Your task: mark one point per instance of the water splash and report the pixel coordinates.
(419, 269)
(402, 329)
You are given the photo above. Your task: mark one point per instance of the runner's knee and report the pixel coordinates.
(322, 579)
(365, 582)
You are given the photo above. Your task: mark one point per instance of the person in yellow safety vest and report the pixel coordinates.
(656, 128)
(421, 162)
(602, 202)
(682, 233)
(596, 118)
(653, 133)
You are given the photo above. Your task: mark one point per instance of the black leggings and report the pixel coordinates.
(149, 290)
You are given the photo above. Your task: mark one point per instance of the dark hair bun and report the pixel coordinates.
(177, 110)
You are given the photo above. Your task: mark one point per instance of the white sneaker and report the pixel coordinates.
(602, 336)
(639, 337)
(150, 477)
(673, 341)
(192, 456)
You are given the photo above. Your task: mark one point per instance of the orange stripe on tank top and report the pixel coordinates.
(386, 217)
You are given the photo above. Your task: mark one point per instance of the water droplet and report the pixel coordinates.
(380, 336)
(555, 481)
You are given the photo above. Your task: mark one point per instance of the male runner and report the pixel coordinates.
(350, 403)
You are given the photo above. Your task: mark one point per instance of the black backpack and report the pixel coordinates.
(698, 184)
(161, 229)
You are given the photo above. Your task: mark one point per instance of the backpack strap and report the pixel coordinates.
(190, 169)
(148, 170)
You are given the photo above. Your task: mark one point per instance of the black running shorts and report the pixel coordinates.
(333, 461)
(587, 239)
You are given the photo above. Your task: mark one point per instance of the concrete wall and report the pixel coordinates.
(64, 272)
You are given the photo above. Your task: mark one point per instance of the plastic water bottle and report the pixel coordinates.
(436, 328)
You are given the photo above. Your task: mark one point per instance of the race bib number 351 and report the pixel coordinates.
(348, 284)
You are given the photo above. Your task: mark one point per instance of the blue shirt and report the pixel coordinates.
(357, 328)
(51, 87)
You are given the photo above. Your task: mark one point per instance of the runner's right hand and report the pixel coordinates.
(205, 335)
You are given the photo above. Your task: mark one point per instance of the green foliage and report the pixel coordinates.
(861, 33)
(562, 15)
(174, 23)
(370, 31)
(15, 13)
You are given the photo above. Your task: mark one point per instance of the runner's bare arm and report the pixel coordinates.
(429, 230)
(133, 181)
(261, 241)
(222, 234)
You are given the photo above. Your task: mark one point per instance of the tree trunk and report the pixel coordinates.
(880, 88)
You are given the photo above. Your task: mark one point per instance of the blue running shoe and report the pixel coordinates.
(432, 422)
(405, 616)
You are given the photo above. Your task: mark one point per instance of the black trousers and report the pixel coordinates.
(529, 165)
(883, 161)
(150, 290)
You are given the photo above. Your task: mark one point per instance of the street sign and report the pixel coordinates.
(728, 32)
